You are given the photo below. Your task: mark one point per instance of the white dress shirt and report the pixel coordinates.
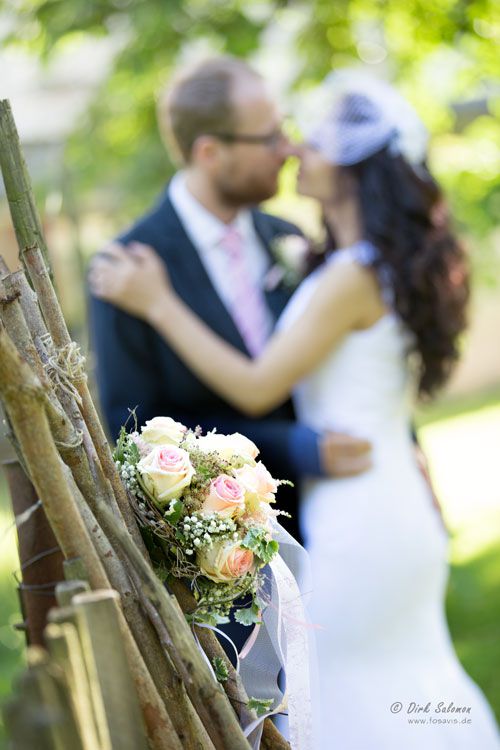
(207, 231)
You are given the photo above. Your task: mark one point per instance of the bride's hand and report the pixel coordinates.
(134, 279)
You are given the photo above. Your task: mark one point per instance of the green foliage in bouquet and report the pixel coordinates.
(261, 706)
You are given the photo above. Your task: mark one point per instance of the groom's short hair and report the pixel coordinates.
(199, 102)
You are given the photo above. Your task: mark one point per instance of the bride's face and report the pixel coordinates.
(317, 177)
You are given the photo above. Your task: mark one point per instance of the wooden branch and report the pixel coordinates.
(68, 439)
(190, 729)
(4, 268)
(206, 695)
(160, 667)
(233, 686)
(16, 285)
(90, 489)
(25, 218)
(18, 293)
(24, 399)
(56, 325)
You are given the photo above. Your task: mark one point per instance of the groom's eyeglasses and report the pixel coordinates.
(271, 140)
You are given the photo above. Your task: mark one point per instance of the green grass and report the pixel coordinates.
(11, 641)
(461, 441)
(473, 607)
(446, 408)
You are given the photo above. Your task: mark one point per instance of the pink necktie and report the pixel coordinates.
(248, 307)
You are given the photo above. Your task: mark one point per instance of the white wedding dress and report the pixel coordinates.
(378, 554)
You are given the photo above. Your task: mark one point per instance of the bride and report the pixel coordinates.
(372, 327)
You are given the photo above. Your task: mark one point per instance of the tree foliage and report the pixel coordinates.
(441, 52)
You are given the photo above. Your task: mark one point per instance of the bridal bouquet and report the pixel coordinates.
(204, 505)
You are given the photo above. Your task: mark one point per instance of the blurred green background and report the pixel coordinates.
(83, 76)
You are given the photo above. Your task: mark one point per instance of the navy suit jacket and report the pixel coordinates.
(137, 368)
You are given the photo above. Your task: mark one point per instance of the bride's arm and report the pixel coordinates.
(343, 301)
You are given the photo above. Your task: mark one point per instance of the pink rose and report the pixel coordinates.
(225, 561)
(166, 471)
(225, 497)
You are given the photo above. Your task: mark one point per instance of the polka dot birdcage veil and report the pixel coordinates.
(363, 115)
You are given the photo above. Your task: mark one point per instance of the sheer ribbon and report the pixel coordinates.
(284, 642)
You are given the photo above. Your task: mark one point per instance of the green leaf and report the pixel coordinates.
(248, 615)
(119, 451)
(220, 668)
(208, 618)
(174, 512)
(261, 706)
(256, 540)
(133, 453)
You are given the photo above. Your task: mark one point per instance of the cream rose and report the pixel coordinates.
(228, 446)
(226, 496)
(257, 482)
(225, 561)
(163, 431)
(166, 471)
(260, 514)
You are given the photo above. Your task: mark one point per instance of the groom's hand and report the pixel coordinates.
(344, 455)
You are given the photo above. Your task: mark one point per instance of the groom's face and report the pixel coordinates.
(246, 172)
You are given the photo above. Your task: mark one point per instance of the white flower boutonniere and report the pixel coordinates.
(290, 252)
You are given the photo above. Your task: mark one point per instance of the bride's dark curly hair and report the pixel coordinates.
(404, 215)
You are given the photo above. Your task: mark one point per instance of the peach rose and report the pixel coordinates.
(225, 497)
(163, 431)
(228, 446)
(225, 561)
(166, 471)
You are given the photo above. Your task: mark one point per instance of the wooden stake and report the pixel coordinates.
(65, 650)
(99, 611)
(66, 590)
(88, 691)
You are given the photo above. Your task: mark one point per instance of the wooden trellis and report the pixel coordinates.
(121, 668)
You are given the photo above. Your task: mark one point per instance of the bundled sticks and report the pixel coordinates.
(122, 668)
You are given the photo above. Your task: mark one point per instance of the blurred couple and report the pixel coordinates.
(190, 320)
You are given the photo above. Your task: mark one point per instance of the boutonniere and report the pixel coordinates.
(290, 253)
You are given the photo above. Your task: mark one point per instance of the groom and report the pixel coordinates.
(218, 249)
